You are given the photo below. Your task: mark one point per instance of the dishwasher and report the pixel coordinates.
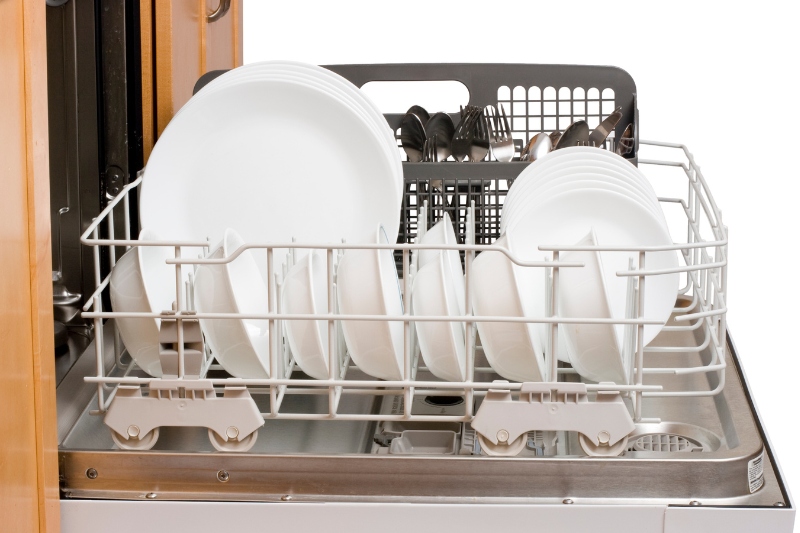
(680, 448)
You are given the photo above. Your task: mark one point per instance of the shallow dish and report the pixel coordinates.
(443, 233)
(367, 284)
(142, 282)
(241, 346)
(594, 349)
(441, 343)
(305, 292)
(496, 289)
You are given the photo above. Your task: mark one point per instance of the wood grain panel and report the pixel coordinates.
(28, 455)
(186, 47)
(148, 80)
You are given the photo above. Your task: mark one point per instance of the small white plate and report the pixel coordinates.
(241, 346)
(367, 284)
(142, 282)
(594, 349)
(496, 289)
(442, 345)
(305, 291)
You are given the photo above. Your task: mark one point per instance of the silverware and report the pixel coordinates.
(600, 133)
(554, 137)
(462, 138)
(480, 145)
(626, 141)
(430, 154)
(576, 134)
(538, 146)
(440, 127)
(412, 137)
(500, 139)
(423, 115)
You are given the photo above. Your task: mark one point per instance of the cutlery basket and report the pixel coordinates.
(354, 437)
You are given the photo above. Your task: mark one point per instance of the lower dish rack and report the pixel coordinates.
(685, 418)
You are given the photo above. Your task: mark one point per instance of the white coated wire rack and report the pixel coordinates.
(703, 268)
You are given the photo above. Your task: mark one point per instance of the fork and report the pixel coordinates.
(463, 136)
(501, 141)
(479, 145)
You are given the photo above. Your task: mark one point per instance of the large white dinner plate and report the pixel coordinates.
(241, 346)
(595, 350)
(434, 293)
(142, 282)
(305, 292)
(274, 159)
(443, 233)
(617, 220)
(499, 288)
(314, 76)
(367, 284)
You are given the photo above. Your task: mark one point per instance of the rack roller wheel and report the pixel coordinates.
(232, 445)
(144, 442)
(602, 450)
(509, 449)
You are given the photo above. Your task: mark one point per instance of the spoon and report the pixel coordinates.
(600, 133)
(423, 115)
(412, 137)
(539, 145)
(554, 137)
(441, 126)
(576, 134)
(626, 141)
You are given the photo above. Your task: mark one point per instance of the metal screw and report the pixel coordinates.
(695, 503)
(151, 495)
(286, 498)
(223, 476)
(568, 501)
(91, 473)
(779, 504)
(502, 436)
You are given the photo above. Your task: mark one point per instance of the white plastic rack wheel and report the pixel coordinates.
(502, 423)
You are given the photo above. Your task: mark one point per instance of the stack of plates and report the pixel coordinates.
(272, 152)
(586, 196)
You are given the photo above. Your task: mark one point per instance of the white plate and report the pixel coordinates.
(241, 346)
(142, 282)
(579, 156)
(617, 220)
(297, 163)
(536, 185)
(441, 343)
(496, 289)
(305, 291)
(578, 178)
(315, 76)
(594, 349)
(443, 233)
(367, 284)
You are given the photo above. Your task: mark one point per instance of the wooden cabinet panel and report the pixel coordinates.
(28, 447)
(178, 46)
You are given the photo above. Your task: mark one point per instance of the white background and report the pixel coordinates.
(718, 77)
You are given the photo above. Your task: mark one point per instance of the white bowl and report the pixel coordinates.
(305, 291)
(241, 346)
(443, 233)
(496, 289)
(367, 284)
(594, 349)
(441, 343)
(142, 282)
